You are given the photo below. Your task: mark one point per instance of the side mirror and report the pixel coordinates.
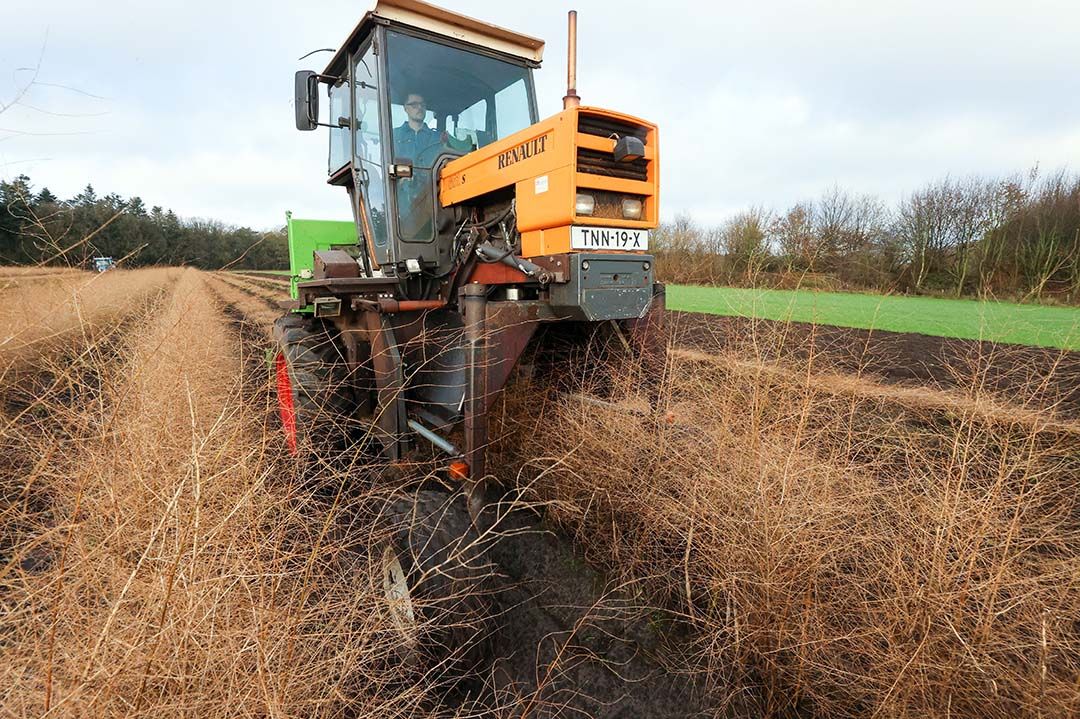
(307, 100)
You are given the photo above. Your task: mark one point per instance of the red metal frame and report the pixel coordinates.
(286, 407)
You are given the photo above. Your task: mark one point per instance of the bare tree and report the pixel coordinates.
(1006, 199)
(745, 239)
(793, 234)
(970, 205)
(1046, 245)
(677, 246)
(832, 218)
(923, 225)
(859, 239)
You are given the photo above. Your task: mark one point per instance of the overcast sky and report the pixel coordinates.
(189, 104)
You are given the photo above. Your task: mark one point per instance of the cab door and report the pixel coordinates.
(369, 151)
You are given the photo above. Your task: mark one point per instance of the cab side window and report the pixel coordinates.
(369, 148)
(512, 109)
(339, 136)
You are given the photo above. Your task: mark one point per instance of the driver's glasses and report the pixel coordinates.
(416, 104)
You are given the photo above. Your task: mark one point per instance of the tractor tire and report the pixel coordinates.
(315, 400)
(437, 585)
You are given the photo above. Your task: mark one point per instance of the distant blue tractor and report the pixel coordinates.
(104, 264)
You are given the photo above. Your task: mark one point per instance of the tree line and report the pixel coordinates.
(37, 227)
(1017, 236)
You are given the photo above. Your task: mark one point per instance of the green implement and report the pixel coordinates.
(306, 237)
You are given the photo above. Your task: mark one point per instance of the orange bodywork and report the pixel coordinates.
(541, 163)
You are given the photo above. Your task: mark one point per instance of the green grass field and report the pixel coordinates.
(966, 319)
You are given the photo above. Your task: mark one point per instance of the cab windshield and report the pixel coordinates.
(446, 100)
(451, 98)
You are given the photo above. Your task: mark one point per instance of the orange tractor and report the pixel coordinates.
(478, 230)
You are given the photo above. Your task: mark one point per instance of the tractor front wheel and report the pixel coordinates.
(436, 583)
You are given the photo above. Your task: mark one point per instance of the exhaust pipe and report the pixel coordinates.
(571, 98)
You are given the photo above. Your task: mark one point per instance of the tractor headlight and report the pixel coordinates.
(584, 204)
(631, 209)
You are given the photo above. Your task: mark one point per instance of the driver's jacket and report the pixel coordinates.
(422, 147)
(416, 145)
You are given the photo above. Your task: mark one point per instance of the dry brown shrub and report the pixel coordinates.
(833, 551)
(834, 548)
(34, 270)
(166, 563)
(271, 283)
(252, 308)
(52, 317)
(13, 284)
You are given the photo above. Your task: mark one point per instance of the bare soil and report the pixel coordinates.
(1032, 377)
(573, 643)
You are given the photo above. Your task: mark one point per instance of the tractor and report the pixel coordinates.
(104, 264)
(478, 231)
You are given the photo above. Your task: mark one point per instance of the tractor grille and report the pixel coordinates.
(595, 162)
(602, 163)
(606, 127)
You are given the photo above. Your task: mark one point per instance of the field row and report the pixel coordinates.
(156, 557)
(798, 536)
(949, 373)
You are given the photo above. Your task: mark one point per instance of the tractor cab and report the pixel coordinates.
(408, 92)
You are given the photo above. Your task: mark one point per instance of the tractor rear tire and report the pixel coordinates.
(315, 400)
(437, 584)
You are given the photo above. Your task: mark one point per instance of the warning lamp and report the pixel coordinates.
(629, 148)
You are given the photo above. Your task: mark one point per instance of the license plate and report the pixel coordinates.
(608, 238)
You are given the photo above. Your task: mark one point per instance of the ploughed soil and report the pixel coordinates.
(580, 647)
(1035, 377)
(571, 643)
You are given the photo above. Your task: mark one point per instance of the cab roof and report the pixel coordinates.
(422, 15)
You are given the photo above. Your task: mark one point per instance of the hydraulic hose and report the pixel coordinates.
(530, 269)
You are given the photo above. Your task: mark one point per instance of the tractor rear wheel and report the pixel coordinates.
(312, 379)
(436, 583)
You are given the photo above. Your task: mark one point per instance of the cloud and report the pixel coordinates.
(758, 104)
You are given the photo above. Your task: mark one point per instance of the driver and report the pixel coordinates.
(413, 136)
(415, 141)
